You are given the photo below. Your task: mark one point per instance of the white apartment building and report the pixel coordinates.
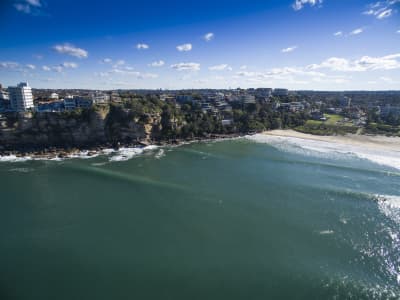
(4, 95)
(54, 96)
(100, 98)
(21, 98)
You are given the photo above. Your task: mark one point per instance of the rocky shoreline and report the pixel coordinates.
(93, 150)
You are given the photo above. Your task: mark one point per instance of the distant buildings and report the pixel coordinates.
(70, 103)
(388, 109)
(21, 98)
(100, 98)
(54, 96)
(4, 95)
(248, 99)
(280, 92)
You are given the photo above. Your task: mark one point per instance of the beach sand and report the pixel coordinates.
(373, 142)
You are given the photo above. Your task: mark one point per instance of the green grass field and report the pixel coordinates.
(328, 127)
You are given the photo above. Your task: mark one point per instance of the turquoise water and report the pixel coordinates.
(239, 219)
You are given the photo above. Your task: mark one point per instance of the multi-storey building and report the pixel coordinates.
(21, 98)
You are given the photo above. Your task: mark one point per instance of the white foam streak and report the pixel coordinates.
(121, 154)
(124, 154)
(330, 149)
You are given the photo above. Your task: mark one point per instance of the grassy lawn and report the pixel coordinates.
(328, 127)
(332, 119)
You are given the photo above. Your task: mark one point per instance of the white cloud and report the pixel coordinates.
(127, 71)
(30, 66)
(184, 47)
(25, 8)
(69, 65)
(365, 63)
(46, 68)
(147, 76)
(357, 31)
(156, 64)
(34, 3)
(57, 69)
(119, 63)
(222, 67)
(208, 36)
(9, 65)
(386, 79)
(191, 66)
(107, 61)
(71, 50)
(29, 7)
(102, 74)
(289, 49)
(142, 46)
(384, 14)
(338, 33)
(381, 10)
(244, 67)
(299, 4)
(398, 31)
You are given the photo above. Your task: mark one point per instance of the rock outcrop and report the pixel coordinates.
(85, 129)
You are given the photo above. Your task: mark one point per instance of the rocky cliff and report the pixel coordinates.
(85, 129)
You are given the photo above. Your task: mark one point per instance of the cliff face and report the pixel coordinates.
(90, 128)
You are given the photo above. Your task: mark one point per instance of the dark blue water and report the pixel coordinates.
(223, 220)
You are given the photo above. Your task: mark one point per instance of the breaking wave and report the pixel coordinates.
(330, 149)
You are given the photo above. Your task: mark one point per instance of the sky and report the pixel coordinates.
(294, 44)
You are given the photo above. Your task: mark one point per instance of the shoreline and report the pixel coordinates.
(54, 153)
(374, 142)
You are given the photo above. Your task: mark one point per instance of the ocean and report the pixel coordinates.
(250, 218)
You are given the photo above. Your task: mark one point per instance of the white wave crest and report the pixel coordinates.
(124, 154)
(326, 232)
(334, 150)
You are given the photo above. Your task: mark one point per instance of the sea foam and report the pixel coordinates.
(329, 149)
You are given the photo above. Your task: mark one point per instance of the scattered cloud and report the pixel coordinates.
(386, 79)
(57, 69)
(30, 66)
(147, 76)
(9, 65)
(142, 46)
(156, 64)
(398, 31)
(381, 9)
(69, 65)
(208, 36)
(46, 68)
(244, 67)
(30, 7)
(384, 14)
(38, 56)
(222, 67)
(338, 33)
(365, 63)
(299, 4)
(34, 3)
(107, 61)
(357, 31)
(289, 49)
(71, 50)
(25, 8)
(118, 63)
(127, 71)
(184, 47)
(191, 66)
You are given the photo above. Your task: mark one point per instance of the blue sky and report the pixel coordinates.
(297, 44)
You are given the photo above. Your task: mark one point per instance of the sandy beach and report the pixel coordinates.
(375, 142)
